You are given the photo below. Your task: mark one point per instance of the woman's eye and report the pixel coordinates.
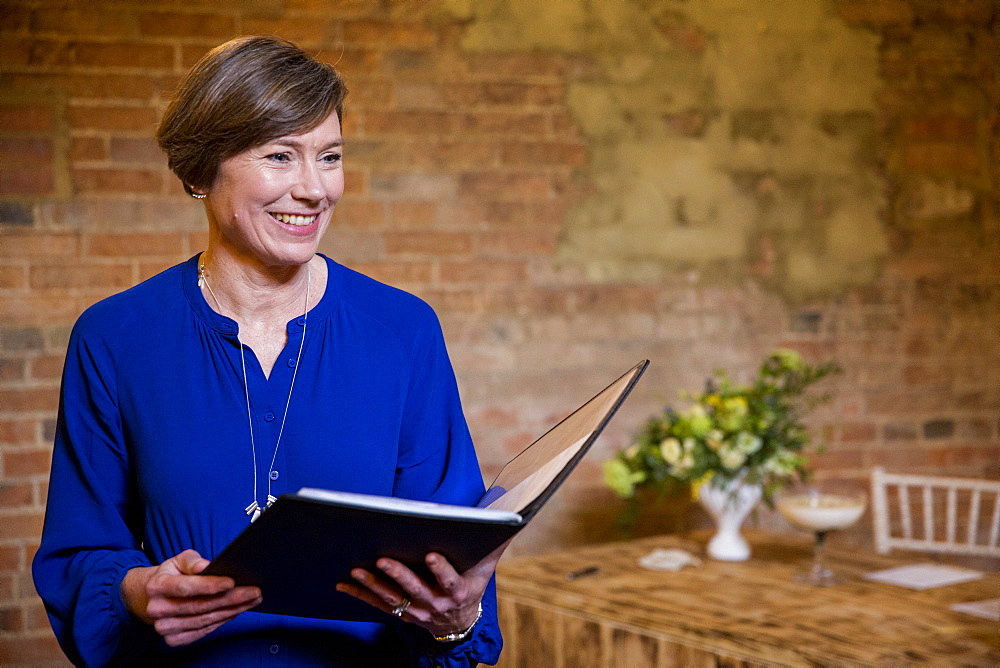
(279, 157)
(331, 158)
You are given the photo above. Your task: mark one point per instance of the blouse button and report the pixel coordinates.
(273, 475)
(275, 649)
(301, 321)
(291, 361)
(269, 416)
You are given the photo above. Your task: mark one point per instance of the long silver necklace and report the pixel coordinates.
(254, 509)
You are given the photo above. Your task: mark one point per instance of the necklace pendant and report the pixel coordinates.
(270, 501)
(253, 510)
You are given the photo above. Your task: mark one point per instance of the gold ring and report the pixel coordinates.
(401, 608)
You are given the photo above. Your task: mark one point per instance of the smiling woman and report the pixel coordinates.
(364, 400)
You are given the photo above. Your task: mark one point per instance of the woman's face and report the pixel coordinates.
(271, 204)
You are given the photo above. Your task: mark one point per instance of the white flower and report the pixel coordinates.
(671, 450)
(715, 440)
(732, 458)
(747, 443)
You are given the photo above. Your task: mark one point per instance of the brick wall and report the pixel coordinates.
(462, 166)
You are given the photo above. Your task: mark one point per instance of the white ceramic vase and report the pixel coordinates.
(729, 506)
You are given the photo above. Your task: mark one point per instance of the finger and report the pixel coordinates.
(404, 578)
(452, 584)
(190, 562)
(184, 630)
(390, 594)
(186, 586)
(164, 607)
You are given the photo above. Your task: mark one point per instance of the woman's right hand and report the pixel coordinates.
(180, 604)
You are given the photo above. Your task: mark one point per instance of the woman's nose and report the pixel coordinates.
(309, 185)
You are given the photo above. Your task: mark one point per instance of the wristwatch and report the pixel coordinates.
(461, 635)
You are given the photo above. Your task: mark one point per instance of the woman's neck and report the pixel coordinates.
(260, 296)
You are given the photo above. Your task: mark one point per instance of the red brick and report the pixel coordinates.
(23, 149)
(21, 525)
(510, 94)
(38, 309)
(26, 462)
(412, 214)
(396, 273)
(396, 35)
(878, 14)
(11, 619)
(12, 370)
(131, 245)
(409, 122)
(13, 495)
(570, 155)
(11, 558)
(188, 25)
(452, 301)
(484, 272)
(360, 213)
(33, 650)
(12, 278)
(540, 242)
(82, 21)
(685, 36)
(143, 119)
(854, 432)
(428, 243)
(47, 367)
(81, 276)
(125, 54)
(26, 181)
(940, 128)
(507, 185)
(88, 149)
(513, 122)
(17, 432)
(33, 399)
(32, 245)
(117, 180)
(128, 149)
(19, 52)
(14, 18)
(313, 32)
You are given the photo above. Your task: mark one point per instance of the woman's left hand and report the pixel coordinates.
(448, 605)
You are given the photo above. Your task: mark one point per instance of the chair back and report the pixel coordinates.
(935, 513)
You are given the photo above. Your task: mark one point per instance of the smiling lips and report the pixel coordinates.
(292, 219)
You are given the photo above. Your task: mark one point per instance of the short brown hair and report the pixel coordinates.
(242, 94)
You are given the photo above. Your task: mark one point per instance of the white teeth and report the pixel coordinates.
(298, 221)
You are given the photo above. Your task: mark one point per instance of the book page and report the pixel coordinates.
(521, 494)
(408, 506)
(529, 474)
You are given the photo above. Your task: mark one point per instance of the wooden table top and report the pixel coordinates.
(755, 611)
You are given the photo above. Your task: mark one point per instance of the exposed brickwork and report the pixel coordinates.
(461, 169)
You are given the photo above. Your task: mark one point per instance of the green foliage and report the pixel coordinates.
(754, 432)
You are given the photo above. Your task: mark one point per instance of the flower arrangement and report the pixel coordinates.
(753, 433)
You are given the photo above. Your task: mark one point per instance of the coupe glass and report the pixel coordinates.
(820, 510)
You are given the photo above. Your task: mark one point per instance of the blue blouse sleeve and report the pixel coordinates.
(437, 462)
(91, 533)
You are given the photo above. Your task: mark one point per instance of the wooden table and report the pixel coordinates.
(721, 613)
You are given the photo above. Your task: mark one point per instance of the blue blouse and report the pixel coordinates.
(152, 456)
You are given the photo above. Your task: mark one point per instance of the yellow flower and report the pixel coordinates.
(696, 485)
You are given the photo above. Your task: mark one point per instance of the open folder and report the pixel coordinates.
(305, 543)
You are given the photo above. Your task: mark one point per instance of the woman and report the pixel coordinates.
(258, 367)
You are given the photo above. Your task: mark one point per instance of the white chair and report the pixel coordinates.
(952, 514)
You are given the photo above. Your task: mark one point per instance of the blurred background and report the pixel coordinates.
(574, 186)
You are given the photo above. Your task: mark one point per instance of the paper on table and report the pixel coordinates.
(988, 609)
(924, 576)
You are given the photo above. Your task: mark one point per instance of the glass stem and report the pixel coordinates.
(818, 554)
